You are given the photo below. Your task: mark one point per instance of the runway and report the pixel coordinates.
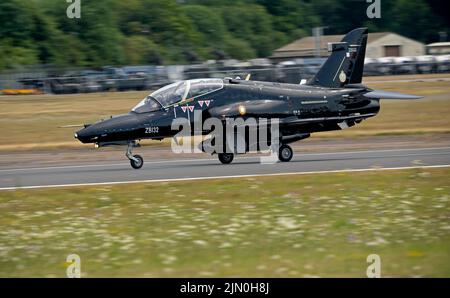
(199, 168)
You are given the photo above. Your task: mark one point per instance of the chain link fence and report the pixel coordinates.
(64, 81)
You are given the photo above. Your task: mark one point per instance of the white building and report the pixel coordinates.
(379, 44)
(438, 48)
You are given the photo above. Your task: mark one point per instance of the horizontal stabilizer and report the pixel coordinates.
(380, 94)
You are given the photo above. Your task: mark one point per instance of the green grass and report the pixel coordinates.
(285, 226)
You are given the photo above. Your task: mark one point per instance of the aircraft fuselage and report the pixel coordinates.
(330, 109)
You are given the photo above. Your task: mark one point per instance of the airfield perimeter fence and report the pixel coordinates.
(65, 81)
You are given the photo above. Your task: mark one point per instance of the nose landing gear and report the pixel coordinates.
(136, 161)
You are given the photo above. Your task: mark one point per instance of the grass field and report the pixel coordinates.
(290, 226)
(31, 122)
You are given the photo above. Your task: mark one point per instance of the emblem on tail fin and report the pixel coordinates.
(342, 76)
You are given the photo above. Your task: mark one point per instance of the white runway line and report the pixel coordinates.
(101, 165)
(213, 159)
(223, 177)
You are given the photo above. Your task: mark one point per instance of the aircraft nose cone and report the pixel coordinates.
(84, 135)
(111, 129)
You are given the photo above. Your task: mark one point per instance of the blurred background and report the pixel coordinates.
(144, 44)
(60, 72)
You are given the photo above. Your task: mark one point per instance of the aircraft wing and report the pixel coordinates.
(322, 119)
(296, 120)
(381, 94)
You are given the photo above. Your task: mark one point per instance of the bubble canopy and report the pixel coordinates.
(177, 92)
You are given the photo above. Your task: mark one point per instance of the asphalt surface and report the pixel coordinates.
(179, 169)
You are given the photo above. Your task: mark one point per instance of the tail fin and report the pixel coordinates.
(346, 62)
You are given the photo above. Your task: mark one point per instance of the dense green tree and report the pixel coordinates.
(139, 49)
(97, 29)
(207, 22)
(239, 48)
(414, 19)
(117, 32)
(16, 21)
(250, 23)
(14, 56)
(165, 23)
(211, 29)
(292, 15)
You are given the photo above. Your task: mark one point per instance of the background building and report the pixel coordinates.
(379, 44)
(438, 48)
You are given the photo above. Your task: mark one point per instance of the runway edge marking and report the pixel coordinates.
(222, 177)
(212, 159)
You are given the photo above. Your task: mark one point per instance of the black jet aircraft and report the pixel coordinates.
(333, 99)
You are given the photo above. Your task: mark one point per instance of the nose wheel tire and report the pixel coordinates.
(137, 162)
(226, 158)
(285, 153)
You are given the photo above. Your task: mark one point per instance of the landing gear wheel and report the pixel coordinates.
(285, 153)
(226, 158)
(137, 162)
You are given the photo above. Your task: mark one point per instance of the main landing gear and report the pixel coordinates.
(136, 161)
(226, 158)
(285, 154)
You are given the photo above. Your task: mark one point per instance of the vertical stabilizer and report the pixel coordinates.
(346, 62)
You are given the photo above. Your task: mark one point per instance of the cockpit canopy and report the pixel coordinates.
(177, 92)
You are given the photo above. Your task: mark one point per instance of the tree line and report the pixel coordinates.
(132, 32)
